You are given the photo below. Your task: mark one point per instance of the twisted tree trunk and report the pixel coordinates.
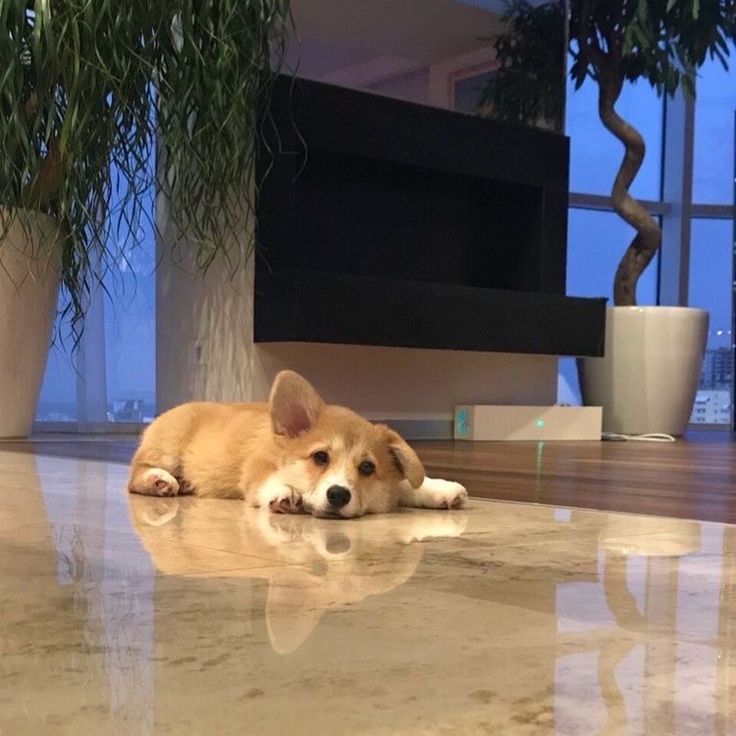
(648, 233)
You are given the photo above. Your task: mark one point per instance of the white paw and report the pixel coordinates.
(288, 501)
(161, 512)
(159, 482)
(271, 529)
(443, 494)
(435, 526)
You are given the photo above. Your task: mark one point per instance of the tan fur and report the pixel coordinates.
(266, 455)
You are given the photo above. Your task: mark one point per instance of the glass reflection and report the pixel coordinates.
(310, 565)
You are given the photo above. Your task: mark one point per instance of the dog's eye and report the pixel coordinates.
(366, 467)
(321, 458)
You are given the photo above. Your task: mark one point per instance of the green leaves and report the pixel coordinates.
(660, 41)
(528, 87)
(90, 92)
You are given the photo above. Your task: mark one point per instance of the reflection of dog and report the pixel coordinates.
(294, 454)
(314, 565)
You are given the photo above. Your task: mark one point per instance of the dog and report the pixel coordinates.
(294, 454)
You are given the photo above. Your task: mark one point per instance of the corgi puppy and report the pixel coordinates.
(295, 454)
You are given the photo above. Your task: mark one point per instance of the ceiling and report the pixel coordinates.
(336, 35)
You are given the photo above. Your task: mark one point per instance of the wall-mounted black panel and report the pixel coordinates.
(373, 218)
(419, 208)
(312, 306)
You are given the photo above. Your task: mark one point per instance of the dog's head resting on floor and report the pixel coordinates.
(343, 465)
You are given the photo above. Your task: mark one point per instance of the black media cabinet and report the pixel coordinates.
(382, 222)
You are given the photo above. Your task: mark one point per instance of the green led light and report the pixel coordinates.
(540, 423)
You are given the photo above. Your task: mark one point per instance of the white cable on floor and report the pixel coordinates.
(652, 437)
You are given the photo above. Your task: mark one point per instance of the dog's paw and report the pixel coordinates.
(159, 482)
(160, 511)
(288, 501)
(435, 526)
(443, 494)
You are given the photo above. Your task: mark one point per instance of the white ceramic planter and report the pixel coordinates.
(649, 376)
(29, 287)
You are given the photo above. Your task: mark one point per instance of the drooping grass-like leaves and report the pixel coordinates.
(92, 90)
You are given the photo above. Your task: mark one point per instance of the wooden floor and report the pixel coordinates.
(692, 478)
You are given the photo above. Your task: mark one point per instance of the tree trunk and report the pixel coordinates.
(648, 233)
(45, 187)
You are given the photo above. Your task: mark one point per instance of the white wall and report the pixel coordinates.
(204, 323)
(410, 383)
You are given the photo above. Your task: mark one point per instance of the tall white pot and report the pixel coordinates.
(649, 376)
(29, 287)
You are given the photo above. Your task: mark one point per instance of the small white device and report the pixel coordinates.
(490, 422)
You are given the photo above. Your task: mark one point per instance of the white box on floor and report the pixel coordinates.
(480, 422)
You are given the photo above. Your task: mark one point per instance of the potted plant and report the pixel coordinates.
(89, 94)
(648, 378)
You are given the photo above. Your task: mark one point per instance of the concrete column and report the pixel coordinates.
(677, 189)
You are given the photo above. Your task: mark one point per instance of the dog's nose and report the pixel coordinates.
(338, 496)
(337, 544)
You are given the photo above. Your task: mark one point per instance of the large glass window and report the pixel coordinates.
(595, 154)
(130, 335)
(126, 345)
(468, 90)
(58, 400)
(715, 104)
(711, 254)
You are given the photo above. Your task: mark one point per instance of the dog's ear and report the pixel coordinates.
(405, 459)
(294, 607)
(295, 404)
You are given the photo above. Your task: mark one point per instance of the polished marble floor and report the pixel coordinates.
(161, 616)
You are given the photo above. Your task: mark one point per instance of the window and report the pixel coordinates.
(130, 335)
(58, 401)
(467, 90)
(124, 349)
(715, 104)
(711, 255)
